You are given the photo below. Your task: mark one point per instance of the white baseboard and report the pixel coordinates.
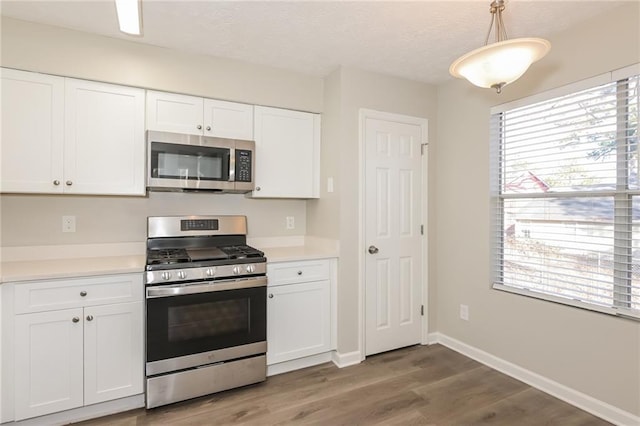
(585, 402)
(346, 360)
(296, 364)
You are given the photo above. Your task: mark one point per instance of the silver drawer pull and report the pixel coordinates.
(270, 296)
(299, 272)
(75, 319)
(83, 293)
(89, 317)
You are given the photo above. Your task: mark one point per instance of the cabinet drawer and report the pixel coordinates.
(295, 272)
(40, 296)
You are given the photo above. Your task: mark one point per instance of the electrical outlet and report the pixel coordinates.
(68, 224)
(291, 222)
(464, 312)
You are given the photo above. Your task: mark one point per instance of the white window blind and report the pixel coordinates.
(566, 198)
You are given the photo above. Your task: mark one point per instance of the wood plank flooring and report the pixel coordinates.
(419, 385)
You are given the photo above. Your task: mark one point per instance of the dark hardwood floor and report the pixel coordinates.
(419, 385)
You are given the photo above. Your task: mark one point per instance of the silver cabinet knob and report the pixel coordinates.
(68, 183)
(83, 293)
(270, 296)
(56, 182)
(373, 249)
(299, 272)
(257, 188)
(199, 127)
(89, 317)
(75, 319)
(208, 127)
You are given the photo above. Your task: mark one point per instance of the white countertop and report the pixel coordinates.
(27, 270)
(42, 266)
(295, 253)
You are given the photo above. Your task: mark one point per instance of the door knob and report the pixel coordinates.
(373, 249)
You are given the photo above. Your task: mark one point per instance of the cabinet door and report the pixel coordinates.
(104, 139)
(298, 320)
(170, 112)
(48, 362)
(287, 153)
(32, 132)
(228, 120)
(113, 349)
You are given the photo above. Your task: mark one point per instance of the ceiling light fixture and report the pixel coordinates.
(129, 16)
(497, 64)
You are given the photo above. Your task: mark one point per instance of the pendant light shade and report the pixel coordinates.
(498, 64)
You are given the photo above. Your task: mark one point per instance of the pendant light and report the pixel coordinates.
(497, 64)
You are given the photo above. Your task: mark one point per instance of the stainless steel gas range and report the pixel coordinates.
(206, 307)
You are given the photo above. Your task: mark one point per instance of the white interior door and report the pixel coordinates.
(393, 240)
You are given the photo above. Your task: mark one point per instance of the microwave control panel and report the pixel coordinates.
(243, 165)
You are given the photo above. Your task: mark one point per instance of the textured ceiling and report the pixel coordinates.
(416, 40)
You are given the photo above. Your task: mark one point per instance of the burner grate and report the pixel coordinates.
(167, 256)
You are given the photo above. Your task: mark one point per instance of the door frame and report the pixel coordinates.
(365, 114)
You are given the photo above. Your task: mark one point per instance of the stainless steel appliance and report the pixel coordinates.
(179, 162)
(206, 307)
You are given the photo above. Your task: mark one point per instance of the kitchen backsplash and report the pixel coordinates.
(33, 220)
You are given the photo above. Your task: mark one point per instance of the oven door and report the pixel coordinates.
(178, 161)
(195, 324)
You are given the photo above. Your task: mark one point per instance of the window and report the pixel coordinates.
(566, 195)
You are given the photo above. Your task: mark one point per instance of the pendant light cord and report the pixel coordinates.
(496, 8)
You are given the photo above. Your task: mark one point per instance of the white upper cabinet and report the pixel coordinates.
(62, 135)
(228, 119)
(104, 139)
(32, 132)
(287, 153)
(171, 112)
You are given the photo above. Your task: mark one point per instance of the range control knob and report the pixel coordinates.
(251, 269)
(210, 272)
(182, 275)
(236, 270)
(166, 275)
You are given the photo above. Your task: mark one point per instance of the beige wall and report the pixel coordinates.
(55, 50)
(34, 219)
(347, 91)
(593, 353)
(37, 219)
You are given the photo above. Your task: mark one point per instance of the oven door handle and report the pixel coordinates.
(210, 286)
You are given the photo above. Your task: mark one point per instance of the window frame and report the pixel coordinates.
(623, 197)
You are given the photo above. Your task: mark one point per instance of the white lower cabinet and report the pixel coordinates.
(69, 358)
(298, 310)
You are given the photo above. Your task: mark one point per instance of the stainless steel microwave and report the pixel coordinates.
(180, 162)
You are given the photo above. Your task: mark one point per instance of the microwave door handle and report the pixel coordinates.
(232, 165)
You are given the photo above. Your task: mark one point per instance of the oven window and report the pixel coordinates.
(213, 319)
(186, 162)
(194, 323)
